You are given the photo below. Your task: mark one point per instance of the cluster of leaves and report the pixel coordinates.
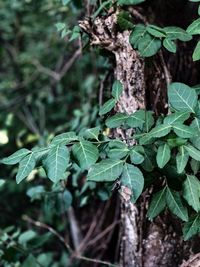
(162, 144)
(194, 29)
(15, 247)
(148, 39)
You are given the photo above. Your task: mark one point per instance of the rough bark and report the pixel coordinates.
(143, 244)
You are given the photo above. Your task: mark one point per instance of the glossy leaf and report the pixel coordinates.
(124, 21)
(193, 152)
(191, 192)
(56, 162)
(196, 53)
(181, 159)
(16, 157)
(137, 34)
(133, 178)
(107, 170)
(26, 165)
(92, 133)
(163, 155)
(191, 227)
(160, 130)
(175, 204)
(137, 119)
(148, 45)
(136, 155)
(194, 27)
(184, 131)
(182, 97)
(107, 106)
(64, 138)
(117, 90)
(174, 33)
(116, 120)
(157, 205)
(85, 153)
(169, 45)
(177, 117)
(155, 31)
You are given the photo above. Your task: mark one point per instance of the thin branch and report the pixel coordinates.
(62, 240)
(49, 228)
(103, 233)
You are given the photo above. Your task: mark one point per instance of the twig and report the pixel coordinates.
(62, 240)
(49, 228)
(103, 233)
(97, 261)
(165, 69)
(56, 75)
(74, 228)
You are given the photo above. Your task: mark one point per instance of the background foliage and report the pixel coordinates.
(49, 102)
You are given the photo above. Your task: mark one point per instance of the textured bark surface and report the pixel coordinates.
(129, 70)
(143, 244)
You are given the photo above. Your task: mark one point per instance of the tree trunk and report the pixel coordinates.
(143, 244)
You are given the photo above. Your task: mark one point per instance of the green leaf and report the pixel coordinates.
(2, 182)
(26, 236)
(160, 130)
(107, 170)
(196, 140)
(56, 162)
(195, 165)
(129, 2)
(85, 153)
(65, 2)
(191, 189)
(137, 119)
(181, 159)
(184, 131)
(136, 35)
(192, 227)
(117, 90)
(64, 138)
(177, 117)
(174, 33)
(194, 27)
(30, 261)
(155, 31)
(169, 45)
(118, 149)
(92, 133)
(107, 106)
(136, 155)
(133, 178)
(157, 204)
(124, 21)
(16, 157)
(148, 164)
(60, 26)
(26, 165)
(117, 120)
(194, 0)
(175, 204)
(182, 97)
(148, 45)
(193, 152)
(176, 142)
(196, 53)
(75, 33)
(163, 155)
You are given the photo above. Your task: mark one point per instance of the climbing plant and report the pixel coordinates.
(162, 149)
